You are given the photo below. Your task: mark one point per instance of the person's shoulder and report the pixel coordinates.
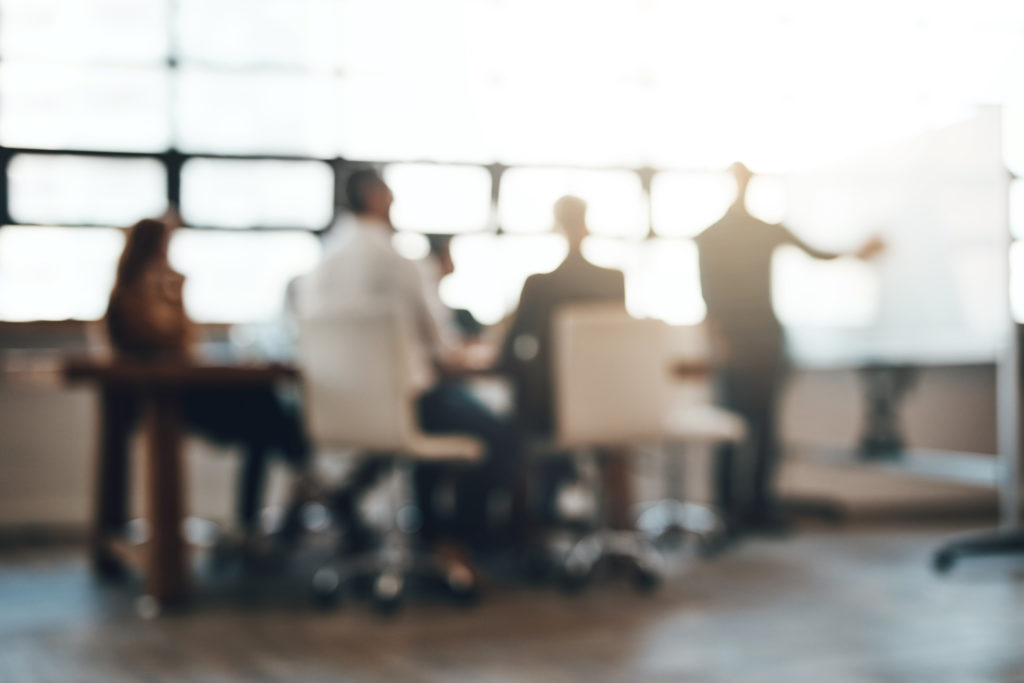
(610, 274)
(719, 226)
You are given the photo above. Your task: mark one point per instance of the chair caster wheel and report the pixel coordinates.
(326, 589)
(388, 591)
(572, 580)
(943, 561)
(148, 607)
(536, 567)
(645, 579)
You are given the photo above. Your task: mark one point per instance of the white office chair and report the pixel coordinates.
(359, 395)
(613, 388)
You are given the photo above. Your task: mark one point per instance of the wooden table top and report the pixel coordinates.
(174, 373)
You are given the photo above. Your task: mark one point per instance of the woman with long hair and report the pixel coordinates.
(146, 321)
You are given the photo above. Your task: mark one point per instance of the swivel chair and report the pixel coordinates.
(359, 397)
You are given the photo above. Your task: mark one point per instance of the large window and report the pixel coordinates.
(248, 114)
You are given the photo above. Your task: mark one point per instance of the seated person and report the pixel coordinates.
(361, 265)
(146, 320)
(526, 354)
(454, 325)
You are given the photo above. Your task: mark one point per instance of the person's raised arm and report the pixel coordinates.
(872, 247)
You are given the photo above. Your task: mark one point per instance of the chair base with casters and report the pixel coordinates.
(985, 545)
(705, 425)
(388, 571)
(579, 558)
(360, 395)
(615, 388)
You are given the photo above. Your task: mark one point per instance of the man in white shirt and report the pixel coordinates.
(361, 265)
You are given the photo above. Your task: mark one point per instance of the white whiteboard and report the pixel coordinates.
(939, 292)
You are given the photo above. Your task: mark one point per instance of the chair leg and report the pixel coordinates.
(605, 542)
(985, 545)
(673, 514)
(396, 563)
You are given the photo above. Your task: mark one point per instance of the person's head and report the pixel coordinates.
(742, 174)
(368, 195)
(145, 245)
(441, 250)
(571, 219)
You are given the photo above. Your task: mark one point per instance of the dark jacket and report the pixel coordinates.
(526, 355)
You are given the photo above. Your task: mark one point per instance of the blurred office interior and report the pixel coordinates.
(898, 417)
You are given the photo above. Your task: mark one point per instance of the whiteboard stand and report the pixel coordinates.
(1009, 538)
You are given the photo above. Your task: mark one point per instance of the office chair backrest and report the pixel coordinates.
(356, 376)
(610, 373)
(691, 345)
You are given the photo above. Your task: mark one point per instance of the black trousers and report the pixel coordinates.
(751, 388)
(451, 408)
(261, 423)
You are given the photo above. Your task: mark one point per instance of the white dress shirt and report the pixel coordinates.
(361, 266)
(444, 318)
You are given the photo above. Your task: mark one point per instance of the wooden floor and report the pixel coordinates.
(827, 606)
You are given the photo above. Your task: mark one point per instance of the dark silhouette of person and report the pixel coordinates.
(526, 353)
(736, 277)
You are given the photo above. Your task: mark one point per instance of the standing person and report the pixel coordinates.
(736, 276)
(146, 321)
(361, 267)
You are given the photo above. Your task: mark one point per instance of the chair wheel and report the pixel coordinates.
(943, 561)
(537, 567)
(645, 579)
(148, 607)
(573, 580)
(388, 590)
(326, 588)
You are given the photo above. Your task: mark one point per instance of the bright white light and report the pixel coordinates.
(85, 190)
(240, 276)
(273, 32)
(245, 194)
(683, 204)
(766, 198)
(84, 30)
(811, 293)
(439, 199)
(1017, 281)
(272, 113)
(57, 273)
(1017, 209)
(74, 107)
(490, 271)
(662, 276)
(1013, 138)
(412, 245)
(615, 200)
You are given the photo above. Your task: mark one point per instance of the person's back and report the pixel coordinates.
(146, 314)
(528, 345)
(736, 273)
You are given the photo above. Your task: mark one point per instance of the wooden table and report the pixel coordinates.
(152, 392)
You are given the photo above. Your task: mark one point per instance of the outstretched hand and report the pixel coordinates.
(874, 246)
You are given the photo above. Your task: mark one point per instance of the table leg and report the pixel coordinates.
(110, 504)
(166, 561)
(617, 484)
